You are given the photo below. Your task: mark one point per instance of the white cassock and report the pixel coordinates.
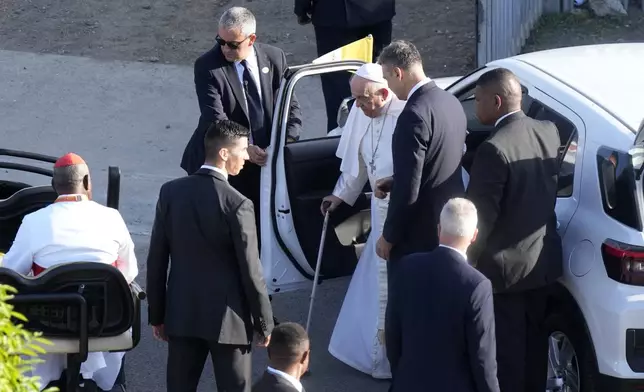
(74, 231)
(365, 150)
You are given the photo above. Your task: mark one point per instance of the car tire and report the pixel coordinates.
(558, 325)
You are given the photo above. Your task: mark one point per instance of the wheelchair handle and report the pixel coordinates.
(137, 291)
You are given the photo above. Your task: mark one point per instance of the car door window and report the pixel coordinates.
(567, 147)
(617, 185)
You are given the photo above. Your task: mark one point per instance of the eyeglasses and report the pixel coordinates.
(231, 44)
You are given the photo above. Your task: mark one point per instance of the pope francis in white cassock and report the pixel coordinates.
(365, 150)
(74, 228)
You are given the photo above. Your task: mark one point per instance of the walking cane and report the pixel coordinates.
(316, 276)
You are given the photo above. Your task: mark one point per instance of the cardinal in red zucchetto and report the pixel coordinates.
(74, 229)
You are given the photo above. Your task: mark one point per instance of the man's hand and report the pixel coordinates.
(383, 187)
(383, 248)
(378, 193)
(263, 341)
(257, 155)
(159, 332)
(330, 203)
(304, 19)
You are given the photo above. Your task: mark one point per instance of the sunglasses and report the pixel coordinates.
(231, 44)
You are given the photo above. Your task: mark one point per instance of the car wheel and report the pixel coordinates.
(572, 366)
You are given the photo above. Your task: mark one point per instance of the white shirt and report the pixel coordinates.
(417, 86)
(295, 382)
(253, 67)
(218, 170)
(72, 231)
(456, 250)
(504, 116)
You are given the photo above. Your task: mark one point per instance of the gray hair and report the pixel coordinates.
(401, 54)
(238, 18)
(459, 218)
(70, 176)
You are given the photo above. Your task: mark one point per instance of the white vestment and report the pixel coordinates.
(358, 336)
(74, 231)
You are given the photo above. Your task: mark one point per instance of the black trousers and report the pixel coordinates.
(335, 86)
(187, 357)
(521, 340)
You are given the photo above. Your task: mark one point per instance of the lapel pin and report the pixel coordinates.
(265, 70)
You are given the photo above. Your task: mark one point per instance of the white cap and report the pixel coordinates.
(371, 71)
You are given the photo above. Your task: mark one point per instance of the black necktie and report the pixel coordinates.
(255, 109)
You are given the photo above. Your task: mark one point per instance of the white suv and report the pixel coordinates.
(592, 94)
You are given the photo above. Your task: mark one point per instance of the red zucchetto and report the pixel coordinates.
(69, 159)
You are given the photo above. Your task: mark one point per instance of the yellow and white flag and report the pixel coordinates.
(361, 49)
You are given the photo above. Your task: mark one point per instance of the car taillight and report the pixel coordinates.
(624, 263)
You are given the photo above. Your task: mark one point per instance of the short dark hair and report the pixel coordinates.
(503, 82)
(401, 54)
(221, 134)
(496, 76)
(288, 343)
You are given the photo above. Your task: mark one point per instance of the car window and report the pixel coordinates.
(567, 146)
(310, 97)
(566, 128)
(617, 186)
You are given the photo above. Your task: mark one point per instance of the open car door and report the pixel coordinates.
(294, 182)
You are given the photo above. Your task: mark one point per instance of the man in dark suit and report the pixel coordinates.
(338, 23)
(238, 80)
(216, 295)
(427, 147)
(440, 325)
(288, 356)
(513, 183)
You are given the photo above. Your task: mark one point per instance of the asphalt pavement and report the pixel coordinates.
(139, 116)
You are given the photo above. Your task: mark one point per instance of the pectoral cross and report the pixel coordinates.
(372, 165)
